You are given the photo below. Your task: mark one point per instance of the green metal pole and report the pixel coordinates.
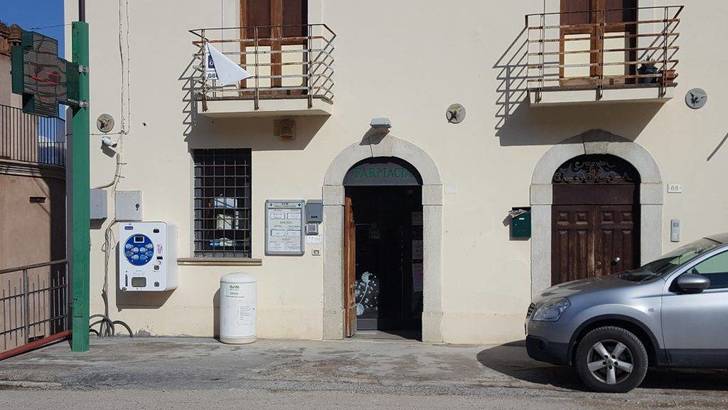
(80, 193)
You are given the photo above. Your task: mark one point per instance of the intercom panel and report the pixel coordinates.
(147, 257)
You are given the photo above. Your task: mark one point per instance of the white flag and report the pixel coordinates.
(224, 70)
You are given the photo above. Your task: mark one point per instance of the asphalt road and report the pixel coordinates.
(202, 373)
(265, 399)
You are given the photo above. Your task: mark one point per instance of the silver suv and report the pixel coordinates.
(672, 312)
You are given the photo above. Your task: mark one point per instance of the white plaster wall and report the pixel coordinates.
(407, 60)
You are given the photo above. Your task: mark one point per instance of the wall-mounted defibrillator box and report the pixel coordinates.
(147, 257)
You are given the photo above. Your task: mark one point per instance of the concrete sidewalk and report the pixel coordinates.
(354, 366)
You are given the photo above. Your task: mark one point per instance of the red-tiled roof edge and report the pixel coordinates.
(9, 36)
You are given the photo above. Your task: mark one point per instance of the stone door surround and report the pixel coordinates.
(333, 196)
(588, 143)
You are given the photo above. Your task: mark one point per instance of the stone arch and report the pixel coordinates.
(592, 142)
(389, 146)
(333, 197)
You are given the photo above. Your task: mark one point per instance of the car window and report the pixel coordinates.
(716, 269)
(670, 261)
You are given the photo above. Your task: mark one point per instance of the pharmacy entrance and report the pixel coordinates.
(383, 248)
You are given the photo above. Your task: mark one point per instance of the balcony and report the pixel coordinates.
(615, 55)
(31, 139)
(292, 68)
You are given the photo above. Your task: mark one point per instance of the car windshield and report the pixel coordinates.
(669, 261)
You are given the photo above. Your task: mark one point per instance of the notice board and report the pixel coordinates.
(284, 227)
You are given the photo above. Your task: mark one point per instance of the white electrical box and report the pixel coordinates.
(128, 206)
(675, 230)
(99, 205)
(147, 257)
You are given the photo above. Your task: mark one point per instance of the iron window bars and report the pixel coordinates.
(222, 206)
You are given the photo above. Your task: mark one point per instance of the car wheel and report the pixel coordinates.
(611, 359)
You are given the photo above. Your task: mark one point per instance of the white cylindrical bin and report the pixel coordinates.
(237, 308)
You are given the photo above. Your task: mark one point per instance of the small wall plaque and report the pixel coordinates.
(455, 113)
(674, 188)
(105, 123)
(696, 98)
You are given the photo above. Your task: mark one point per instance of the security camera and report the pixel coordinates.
(381, 123)
(107, 142)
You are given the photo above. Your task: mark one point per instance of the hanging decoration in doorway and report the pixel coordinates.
(596, 169)
(366, 293)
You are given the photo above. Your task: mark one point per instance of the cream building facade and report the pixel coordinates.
(573, 97)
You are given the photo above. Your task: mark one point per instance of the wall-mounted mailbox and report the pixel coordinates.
(314, 211)
(520, 223)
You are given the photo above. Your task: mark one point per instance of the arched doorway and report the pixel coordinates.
(383, 249)
(595, 218)
(334, 206)
(592, 142)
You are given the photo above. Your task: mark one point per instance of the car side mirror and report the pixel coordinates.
(692, 283)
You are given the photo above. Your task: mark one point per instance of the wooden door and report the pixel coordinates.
(573, 243)
(592, 240)
(595, 218)
(349, 269)
(598, 38)
(277, 29)
(616, 242)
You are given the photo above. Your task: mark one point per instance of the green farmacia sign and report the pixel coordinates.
(387, 172)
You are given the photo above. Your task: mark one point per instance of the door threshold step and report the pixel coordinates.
(405, 335)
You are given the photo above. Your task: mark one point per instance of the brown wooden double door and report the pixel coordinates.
(595, 231)
(593, 240)
(598, 38)
(275, 30)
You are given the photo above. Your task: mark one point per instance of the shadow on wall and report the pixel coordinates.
(189, 108)
(140, 300)
(512, 78)
(133, 300)
(518, 123)
(216, 315)
(57, 212)
(255, 133)
(717, 148)
(551, 125)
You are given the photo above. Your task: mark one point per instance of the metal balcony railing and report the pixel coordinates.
(614, 48)
(30, 138)
(286, 62)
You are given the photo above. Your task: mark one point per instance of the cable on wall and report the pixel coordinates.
(106, 326)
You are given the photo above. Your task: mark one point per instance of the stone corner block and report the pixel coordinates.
(333, 194)
(542, 194)
(652, 194)
(432, 194)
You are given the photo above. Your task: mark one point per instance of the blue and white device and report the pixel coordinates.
(147, 257)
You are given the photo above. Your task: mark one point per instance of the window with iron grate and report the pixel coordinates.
(222, 188)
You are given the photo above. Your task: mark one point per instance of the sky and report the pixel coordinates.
(35, 15)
